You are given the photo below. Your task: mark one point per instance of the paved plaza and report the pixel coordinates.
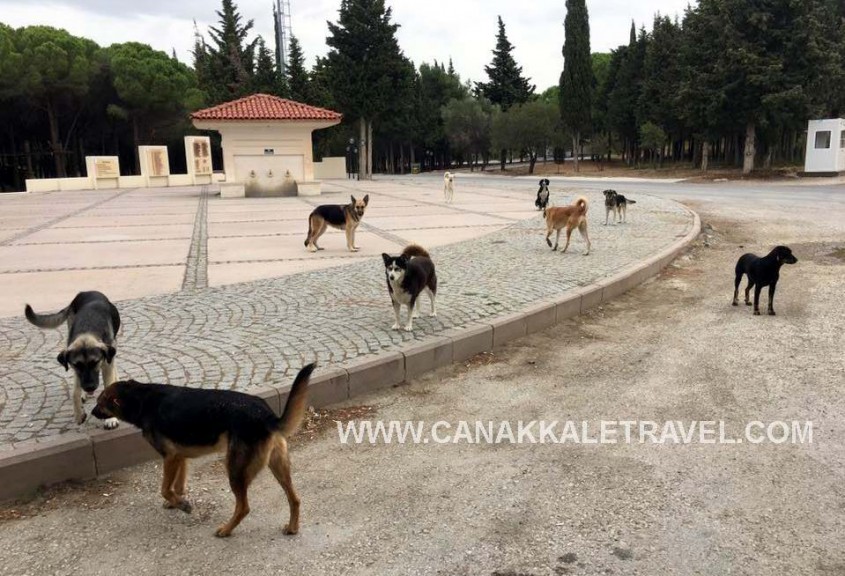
(222, 294)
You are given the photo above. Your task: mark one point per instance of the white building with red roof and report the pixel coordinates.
(266, 141)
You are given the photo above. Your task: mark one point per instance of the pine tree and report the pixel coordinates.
(576, 80)
(366, 68)
(625, 91)
(506, 85)
(297, 75)
(661, 77)
(231, 56)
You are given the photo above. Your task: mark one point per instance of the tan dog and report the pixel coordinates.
(572, 217)
(337, 216)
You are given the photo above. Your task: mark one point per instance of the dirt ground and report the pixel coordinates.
(671, 349)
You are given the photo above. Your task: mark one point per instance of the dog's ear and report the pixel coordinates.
(386, 257)
(353, 199)
(366, 199)
(110, 352)
(403, 261)
(62, 359)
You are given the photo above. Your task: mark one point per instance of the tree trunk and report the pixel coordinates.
(750, 149)
(502, 158)
(55, 141)
(532, 159)
(370, 150)
(136, 142)
(362, 153)
(705, 155)
(27, 150)
(575, 138)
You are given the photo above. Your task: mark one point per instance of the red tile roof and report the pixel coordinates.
(265, 107)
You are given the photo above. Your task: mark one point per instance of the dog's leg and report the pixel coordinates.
(737, 282)
(409, 327)
(548, 235)
(78, 410)
(431, 296)
(180, 481)
(109, 373)
(396, 307)
(350, 239)
(757, 289)
(772, 298)
(417, 308)
(557, 240)
(582, 228)
(280, 467)
(323, 227)
(172, 464)
(748, 290)
(606, 215)
(568, 236)
(243, 463)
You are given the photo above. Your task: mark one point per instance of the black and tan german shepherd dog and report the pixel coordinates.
(182, 423)
(343, 217)
(761, 272)
(93, 322)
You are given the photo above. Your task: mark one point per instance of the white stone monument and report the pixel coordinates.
(198, 156)
(155, 165)
(104, 171)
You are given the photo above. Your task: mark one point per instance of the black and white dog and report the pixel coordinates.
(617, 204)
(408, 275)
(542, 195)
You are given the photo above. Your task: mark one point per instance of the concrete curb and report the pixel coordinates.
(27, 466)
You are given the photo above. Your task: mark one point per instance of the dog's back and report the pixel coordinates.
(333, 214)
(89, 312)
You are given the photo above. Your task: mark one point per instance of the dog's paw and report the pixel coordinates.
(287, 530)
(409, 328)
(772, 313)
(318, 248)
(432, 315)
(748, 303)
(222, 532)
(111, 423)
(396, 326)
(312, 249)
(415, 314)
(81, 419)
(182, 504)
(756, 312)
(734, 303)
(353, 249)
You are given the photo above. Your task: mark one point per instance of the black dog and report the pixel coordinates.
(762, 272)
(182, 423)
(542, 195)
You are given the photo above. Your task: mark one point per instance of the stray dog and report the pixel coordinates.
(761, 272)
(617, 204)
(92, 323)
(407, 276)
(542, 195)
(448, 186)
(337, 216)
(182, 423)
(572, 217)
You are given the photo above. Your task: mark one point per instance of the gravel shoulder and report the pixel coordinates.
(672, 349)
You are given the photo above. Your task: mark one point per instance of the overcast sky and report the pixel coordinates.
(430, 29)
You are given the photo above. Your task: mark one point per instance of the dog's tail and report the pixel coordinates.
(296, 404)
(46, 320)
(412, 250)
(581, 203)
(629, 201)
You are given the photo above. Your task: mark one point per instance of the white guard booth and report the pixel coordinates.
(825, 154)
(266, 143)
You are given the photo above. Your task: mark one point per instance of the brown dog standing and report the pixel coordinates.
(337, 216)
(571, 217)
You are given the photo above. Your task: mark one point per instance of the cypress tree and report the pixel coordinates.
(231, 56)
(506, 85)
(576, 80)
(297, 75)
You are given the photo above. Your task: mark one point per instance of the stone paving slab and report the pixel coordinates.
(258, 334)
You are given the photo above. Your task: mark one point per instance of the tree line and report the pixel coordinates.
(731, 82)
